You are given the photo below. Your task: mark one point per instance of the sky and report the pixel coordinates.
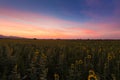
(63, 19)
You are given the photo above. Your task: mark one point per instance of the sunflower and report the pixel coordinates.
(91, 72)
(56, 76)
(43, 56)
(80, 62)
(89, 56)
(92, 75)
(36, 52)
(109, 57)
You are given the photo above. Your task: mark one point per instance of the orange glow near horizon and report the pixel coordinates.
(31, 25)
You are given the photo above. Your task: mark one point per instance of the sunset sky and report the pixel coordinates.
(64, 19)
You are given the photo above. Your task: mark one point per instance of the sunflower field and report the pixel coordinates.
(32, 59)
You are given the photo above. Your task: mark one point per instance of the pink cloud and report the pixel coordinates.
(30, 25)
(90, 32)
(32, 17)
(8, 27)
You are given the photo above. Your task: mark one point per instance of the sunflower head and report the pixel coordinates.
(36, 52)
(91, 72)
(43, 56)
(56, 76)
(109, 57)
(92, 77)
(80, 62)
(89, 56)
(72, 65)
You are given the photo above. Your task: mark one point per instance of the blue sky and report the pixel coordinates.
(98, 12)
